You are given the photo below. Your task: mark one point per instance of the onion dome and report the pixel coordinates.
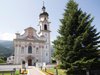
(44, 13)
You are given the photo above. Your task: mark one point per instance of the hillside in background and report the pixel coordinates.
(6, 48)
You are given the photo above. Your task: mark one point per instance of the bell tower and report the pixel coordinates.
(44, 23)
(45, 30)
(43, 20)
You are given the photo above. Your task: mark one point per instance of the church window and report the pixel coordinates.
(45, 27)
(37, 50)
(45, 18)
(30, 49)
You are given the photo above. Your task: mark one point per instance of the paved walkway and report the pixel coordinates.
(34, 71)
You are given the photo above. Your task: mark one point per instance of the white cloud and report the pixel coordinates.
(7, 36)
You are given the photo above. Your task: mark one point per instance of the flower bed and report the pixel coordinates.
(23, 71)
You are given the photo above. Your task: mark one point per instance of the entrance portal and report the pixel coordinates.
(29, 62)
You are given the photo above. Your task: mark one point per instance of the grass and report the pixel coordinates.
(52, 71)
(17, 73)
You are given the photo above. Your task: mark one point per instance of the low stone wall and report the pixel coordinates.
(9, 67)
(4, 71)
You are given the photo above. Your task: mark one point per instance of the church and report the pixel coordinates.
(32, 47)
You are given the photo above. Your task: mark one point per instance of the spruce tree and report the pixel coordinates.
(78, 42)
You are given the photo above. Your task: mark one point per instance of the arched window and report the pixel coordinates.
(30, 49)
(45, 27)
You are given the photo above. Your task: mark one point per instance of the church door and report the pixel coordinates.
(29, 62)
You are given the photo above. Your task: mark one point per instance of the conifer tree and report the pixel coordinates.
(78, 42)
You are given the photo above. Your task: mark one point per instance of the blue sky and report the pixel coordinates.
(16, 15)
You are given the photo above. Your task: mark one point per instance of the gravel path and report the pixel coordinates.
(35, 71)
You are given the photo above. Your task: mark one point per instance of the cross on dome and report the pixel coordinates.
(43, 8)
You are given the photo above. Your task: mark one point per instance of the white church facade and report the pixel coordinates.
(31, 47)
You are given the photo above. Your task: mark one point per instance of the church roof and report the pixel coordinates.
(44, 13)
(30, 28)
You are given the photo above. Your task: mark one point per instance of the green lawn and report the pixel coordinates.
(17, 73)
(51, 71)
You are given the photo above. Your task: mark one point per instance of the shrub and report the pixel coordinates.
(2, 61)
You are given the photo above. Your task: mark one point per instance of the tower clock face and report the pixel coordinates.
(42, 18)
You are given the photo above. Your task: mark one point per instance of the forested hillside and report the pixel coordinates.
(6, 48)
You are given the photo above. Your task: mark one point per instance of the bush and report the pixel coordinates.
(64, 66)
(61, 66)
(2, 61)
(75, 71)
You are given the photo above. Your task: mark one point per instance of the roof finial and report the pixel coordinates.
(43, 3)
(43, 8)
